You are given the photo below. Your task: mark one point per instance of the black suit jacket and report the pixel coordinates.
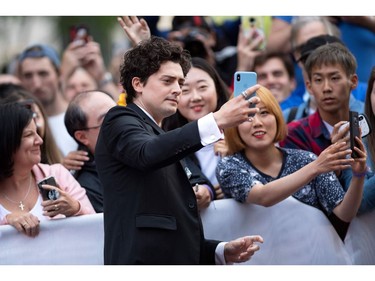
(150, 209)
(88, 178)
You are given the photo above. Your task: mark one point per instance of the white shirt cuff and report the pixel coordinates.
(209, 132)
(219, 254)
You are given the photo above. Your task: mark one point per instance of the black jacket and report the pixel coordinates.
(150, 210)
(88, 178)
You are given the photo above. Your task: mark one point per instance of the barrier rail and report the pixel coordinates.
(293, 233)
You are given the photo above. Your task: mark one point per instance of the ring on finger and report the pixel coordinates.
(244, 94)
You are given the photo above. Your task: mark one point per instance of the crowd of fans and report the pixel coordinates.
(312, 71)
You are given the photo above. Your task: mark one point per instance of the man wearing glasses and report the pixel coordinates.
(83, 120)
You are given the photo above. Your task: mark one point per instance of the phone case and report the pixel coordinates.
(48, 194)
(243, 80)
(364, 124)
(354, 131)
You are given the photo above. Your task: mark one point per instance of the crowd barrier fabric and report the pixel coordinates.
(294, 234)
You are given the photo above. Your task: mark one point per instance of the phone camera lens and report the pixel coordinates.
(238, 77)
(360, 117)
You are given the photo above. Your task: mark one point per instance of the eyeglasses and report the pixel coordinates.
(91, 128)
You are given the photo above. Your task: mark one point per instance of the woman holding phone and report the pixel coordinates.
(21, 203)
(258, 171)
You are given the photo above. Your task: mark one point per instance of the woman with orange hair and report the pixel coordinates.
(258, 171)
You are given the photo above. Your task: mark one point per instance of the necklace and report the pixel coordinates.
(20, 204)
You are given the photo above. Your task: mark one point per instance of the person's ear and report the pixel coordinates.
(353, 81)
(80, 135)
(137, 84)
(308, 86)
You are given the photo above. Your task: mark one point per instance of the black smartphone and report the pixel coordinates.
(48, 194)
(354, 131)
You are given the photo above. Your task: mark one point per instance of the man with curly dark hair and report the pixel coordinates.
(150, 210)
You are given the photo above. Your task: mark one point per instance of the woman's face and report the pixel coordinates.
(79, 81)
(261, 131)
(28, 154)
(198, 96)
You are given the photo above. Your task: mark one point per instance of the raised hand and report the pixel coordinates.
(136, 29)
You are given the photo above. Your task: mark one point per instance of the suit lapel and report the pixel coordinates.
(145, 118)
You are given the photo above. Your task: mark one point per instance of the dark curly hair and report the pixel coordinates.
(146, 58)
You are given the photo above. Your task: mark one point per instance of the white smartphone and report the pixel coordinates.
(363, 123)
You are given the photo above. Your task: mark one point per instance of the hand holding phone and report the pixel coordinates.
(242, 81)
(79, 33)
(253, 28)
(354, 131)
(49, 194)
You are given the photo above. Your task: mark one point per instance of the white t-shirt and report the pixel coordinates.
(62, 138)
(208, 162)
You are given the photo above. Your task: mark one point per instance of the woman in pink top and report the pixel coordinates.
(21, 203)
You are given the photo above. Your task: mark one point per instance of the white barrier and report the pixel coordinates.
(70, 241)
(293, 233)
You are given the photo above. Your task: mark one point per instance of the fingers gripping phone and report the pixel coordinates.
(354, 131)
(46, 193)
(242, 81)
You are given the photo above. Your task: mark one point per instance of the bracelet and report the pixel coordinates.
(360, 175)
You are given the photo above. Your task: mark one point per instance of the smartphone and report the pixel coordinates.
(48, 194)
(364, 124)
(354, 131)
(242, 81)
(256, 24)
(79, 32)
